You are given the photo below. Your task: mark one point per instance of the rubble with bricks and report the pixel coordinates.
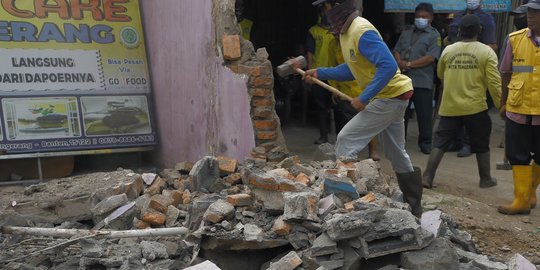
(273, 211)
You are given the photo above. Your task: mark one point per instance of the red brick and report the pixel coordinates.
(233, 179)
(133, 188)
(261, 81)
(174, 197)
(266, 135)
(186, 197)
(240, 199)
(281, 227)
(349, 206)
(262, 112)
(260, 92)
(370, 197)
(142, 225)
(262, 102)
(156, 187)
(303, 179)
(157, 206)
(154, 218)
(252, 71)
(231, 47)
(227, 165)
(265, 124)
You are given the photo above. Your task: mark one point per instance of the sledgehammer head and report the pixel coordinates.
(287, 68)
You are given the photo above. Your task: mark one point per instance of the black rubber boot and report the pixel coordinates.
(433, 163)
(484, 170)
(411, 186)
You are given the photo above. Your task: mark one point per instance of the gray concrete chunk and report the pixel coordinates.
(301, 206)
(480, 261)
(518, 262)
(109, 204)
(288, 262)
(153, 250)
(351, 225)
(219, 211)
(204, 173)
(323, 245)
(439, 255)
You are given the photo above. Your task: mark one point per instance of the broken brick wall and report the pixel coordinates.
(202, 108)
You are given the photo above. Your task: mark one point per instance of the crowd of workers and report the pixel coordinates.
(348, 52)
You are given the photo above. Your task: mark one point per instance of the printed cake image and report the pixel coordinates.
(33, 118)
(115, 115)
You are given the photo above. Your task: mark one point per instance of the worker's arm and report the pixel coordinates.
(338, 73)
(373, 48)
(506, 75)
(493, 79)
(398, 49)
(432, 54)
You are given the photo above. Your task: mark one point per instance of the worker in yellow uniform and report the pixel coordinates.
(343, 110)
(245, 24)
(466, 68)
(520, 69)
(318, 52)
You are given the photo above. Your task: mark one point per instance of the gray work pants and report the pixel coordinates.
(383, 117)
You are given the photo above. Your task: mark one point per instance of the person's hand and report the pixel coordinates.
(357, 104)
(309, 75)
(403, 66)
(502, 112)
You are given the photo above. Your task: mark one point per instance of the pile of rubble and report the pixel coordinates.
(271, 212)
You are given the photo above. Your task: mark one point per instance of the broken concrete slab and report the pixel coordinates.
(288, 262)
(480, 261)
(351, 258)
(197, 209)
(299, 240)
(518, 262)
(252, 232)
(301, 206)
(323, 245)
(325, 151)
(219, 211)
(328, 204)
(439, 255)
(152, 250)
(172, 215)
(431, 221)
(351, 225)
(204, 173)
(396, 231)
(272, 201)
(109, 204)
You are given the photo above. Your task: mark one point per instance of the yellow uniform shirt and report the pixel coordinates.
(467, 69)
(323, 38)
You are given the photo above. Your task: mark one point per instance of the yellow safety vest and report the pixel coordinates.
(350, 88)
(363, 70)
(524, 87)
(323, 38)
(246, 25)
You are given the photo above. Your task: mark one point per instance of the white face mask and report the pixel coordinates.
(421, 23)
(473, 4)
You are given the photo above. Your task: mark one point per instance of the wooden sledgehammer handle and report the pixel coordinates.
(326, 86)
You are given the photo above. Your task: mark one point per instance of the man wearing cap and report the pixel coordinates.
(416, 52)
(382, 103)
(466, 68)
(487, 34)
(520, 71)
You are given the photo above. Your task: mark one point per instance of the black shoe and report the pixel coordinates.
(321, 140)
(465, 151)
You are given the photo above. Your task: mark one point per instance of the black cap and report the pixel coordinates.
(469, 21)
(534, 4)
(520, 10)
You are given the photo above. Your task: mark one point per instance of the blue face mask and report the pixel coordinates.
(473, 4)
(421, 23)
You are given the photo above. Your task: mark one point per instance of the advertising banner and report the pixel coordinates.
(73, 76)
(446, 6)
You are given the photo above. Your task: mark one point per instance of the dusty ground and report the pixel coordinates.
(457, 193)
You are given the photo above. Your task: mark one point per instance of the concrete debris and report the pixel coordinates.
(439, 255)
(204, 173)
(519, 262)
(325, 151)
(206, 265)
(288, 262)
(480, 261)
(148, 178)
(322, 215)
